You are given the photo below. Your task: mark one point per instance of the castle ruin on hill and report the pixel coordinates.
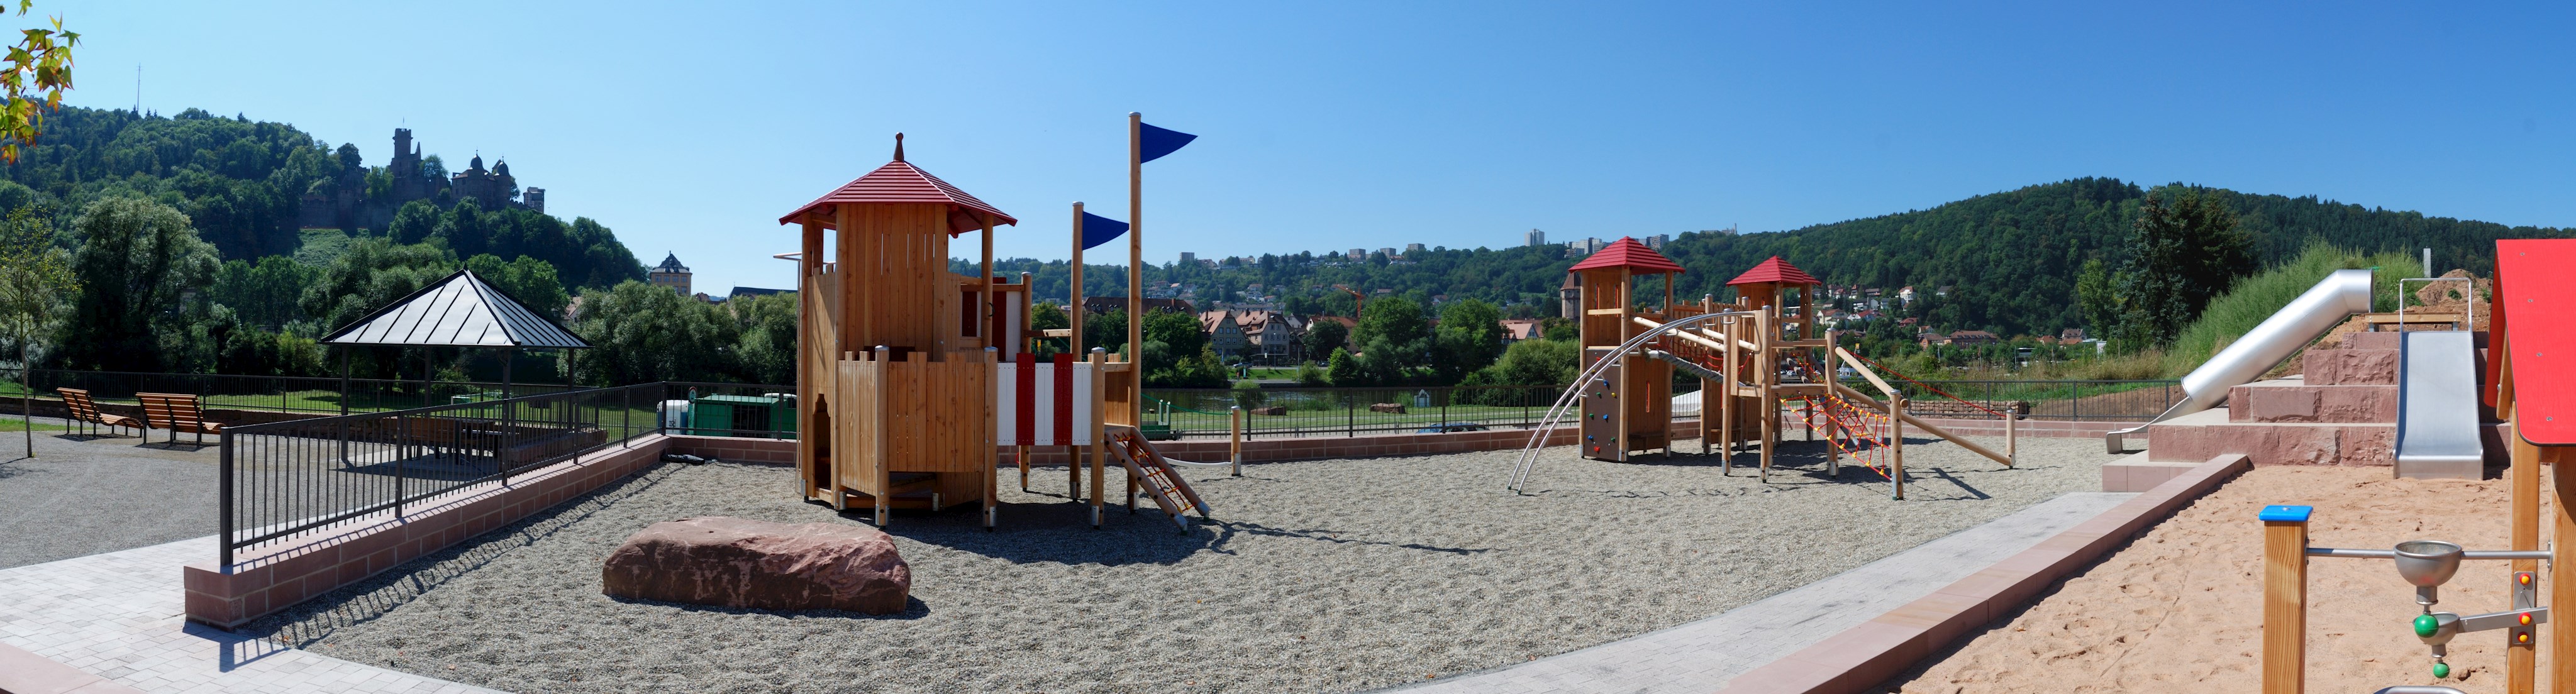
(349, 206)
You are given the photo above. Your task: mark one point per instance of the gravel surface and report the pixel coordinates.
(84, 495)
(1333, 575)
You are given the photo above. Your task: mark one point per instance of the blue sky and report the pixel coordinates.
(691, 127)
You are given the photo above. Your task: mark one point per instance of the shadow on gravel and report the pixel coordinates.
(1058, 533)
(313, 620)
(1233, 528)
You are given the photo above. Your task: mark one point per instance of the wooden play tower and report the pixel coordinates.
(896, 354)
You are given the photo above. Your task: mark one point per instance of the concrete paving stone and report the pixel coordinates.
(117, 615)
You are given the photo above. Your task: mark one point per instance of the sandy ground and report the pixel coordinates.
(2180, 609)
(1334, 575)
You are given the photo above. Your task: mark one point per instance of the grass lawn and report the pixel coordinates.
(9, 424)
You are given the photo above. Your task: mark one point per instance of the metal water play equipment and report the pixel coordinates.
(2530, 381)
(2424, 564)
(2335, 298)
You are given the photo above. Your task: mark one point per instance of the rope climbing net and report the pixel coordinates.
(1859, 432)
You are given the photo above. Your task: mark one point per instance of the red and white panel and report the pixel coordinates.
(1044, 404)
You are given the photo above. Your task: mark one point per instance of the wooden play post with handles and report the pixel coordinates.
(1234, 450)
(2285, 599)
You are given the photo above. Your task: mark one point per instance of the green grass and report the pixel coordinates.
(2253, 299)
(9, 424)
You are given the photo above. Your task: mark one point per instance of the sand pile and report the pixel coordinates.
(1337, 575)
(2180, 609)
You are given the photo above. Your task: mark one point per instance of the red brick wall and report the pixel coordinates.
(266, 579)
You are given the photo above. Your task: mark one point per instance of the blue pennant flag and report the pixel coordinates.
(1154, 142)
(1098, 230)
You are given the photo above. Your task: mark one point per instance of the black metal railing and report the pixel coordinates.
(272, 393)
(1293, 412)
(2116, 401)
(283, 479)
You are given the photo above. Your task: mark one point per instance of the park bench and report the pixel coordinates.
(85, 410)
(177, 412)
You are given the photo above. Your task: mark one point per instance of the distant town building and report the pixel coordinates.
(1569, 297)
(1518, 329)
(1388, 252)
(1358, 254)
(670, 274)
(1657, 241)
(1728, 231)
(1225, 336)
(1269, 334)
(1412, 248)
(1974, 337)
(1534, 238)
(1189, 258)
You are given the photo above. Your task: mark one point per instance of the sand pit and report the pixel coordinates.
(2180, 608)
(1329, 575)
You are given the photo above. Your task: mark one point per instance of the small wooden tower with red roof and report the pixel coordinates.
(895, 352)
(1630, 407)
(1769, 283)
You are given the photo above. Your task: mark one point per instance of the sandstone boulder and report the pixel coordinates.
(1387, 407)
(738, 562)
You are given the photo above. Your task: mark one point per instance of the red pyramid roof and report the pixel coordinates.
(1628, 253)
(1774, 270)
(901, 182)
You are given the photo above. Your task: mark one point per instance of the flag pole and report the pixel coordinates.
(1075, 309)
(1136, 267)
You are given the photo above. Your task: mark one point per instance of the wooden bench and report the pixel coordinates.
(177, 412)
(86, 410)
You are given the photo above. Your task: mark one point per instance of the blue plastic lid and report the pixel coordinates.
(2290, 514)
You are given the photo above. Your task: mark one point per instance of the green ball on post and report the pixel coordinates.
(2425, 625)
(2441, 671)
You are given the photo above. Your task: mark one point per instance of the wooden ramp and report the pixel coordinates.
(1148, 467)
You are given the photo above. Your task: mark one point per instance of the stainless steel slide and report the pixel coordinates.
(2334, 299)
(2437, 406)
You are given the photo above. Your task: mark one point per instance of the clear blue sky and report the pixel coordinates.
(692, 127)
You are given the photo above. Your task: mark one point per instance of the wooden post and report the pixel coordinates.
(1833, 429)
(984, 312)
(1896, 453)
(1726, 399)
(1024, 467)
(1077, 308)
(1767, 371)
(2285, 599)
(1135, 280)
(1704, 390)
(2520, 666)
(1098, 446)
(1236, 449)
(2562, 573)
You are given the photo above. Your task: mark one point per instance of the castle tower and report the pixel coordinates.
(535, 199)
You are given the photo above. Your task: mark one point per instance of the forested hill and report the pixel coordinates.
(2010, 257)
(242, 183)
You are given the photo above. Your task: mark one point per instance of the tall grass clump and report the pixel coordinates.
(2254, 298)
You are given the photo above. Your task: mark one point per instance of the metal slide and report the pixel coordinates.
(2337, 297)
(2437, 406)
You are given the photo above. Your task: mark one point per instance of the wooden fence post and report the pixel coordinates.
(2285, 599)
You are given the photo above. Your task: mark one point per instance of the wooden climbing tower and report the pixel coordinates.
(896, 354)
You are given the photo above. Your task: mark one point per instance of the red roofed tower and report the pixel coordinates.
(1615, 424)
(1768, 284)
(892, 345)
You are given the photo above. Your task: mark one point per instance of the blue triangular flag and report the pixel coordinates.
(1153, 143)
(1098, 230)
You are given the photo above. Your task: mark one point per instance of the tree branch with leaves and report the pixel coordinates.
(40, 64)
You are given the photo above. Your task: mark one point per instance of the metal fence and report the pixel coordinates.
(283, 479)
(2117, 401)
(1295, 412)
(275, 393)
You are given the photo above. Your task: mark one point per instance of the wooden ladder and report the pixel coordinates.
(1168, 489)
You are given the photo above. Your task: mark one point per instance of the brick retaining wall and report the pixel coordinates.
(266, 579)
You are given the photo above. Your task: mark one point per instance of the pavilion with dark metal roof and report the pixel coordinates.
(460, 311)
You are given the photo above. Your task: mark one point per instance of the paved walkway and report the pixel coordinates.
(83, 495)
(117, 615)
(1702, 656)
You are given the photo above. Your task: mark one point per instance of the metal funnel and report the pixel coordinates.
(2427, 563)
